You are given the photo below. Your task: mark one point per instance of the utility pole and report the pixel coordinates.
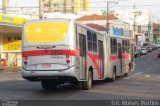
(108, 3)
(134, 25)
(5, 5)
(136, 13)
(149, 26)
(41, 9)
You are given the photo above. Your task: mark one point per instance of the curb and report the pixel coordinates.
(8, 79)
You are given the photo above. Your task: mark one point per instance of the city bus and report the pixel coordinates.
(57, 51)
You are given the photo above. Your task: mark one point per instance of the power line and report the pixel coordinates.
(93, 6)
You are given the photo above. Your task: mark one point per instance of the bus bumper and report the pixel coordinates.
(39, 75)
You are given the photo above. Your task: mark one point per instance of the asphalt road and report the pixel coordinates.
(142, 83)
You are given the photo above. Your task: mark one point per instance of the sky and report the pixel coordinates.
(152, 5)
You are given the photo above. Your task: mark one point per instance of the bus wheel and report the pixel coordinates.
(125, 74)
(76, 85)
(49, 84)
(87, 85)
(113, 75)
(129, 68)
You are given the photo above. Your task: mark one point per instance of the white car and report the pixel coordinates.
(158, 45)
(144, 50)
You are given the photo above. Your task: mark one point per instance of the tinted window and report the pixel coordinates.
(113, 46)
(90, 46)
(145, 44)
(125, 46)
(94, 37)
(92, 41)
(89, 36)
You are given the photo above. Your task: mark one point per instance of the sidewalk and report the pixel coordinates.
(10, 73)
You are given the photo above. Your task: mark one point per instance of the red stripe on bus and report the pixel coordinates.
(126, 56)
(94, 58)
(113, 58)
(49, 52)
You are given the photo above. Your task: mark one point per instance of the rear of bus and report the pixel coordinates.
(49, 50)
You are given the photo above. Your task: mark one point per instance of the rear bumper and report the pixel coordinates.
(144, 52)
(40, 75)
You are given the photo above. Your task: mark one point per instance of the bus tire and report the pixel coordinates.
(113, 75)
(129, 68)
(76, 86)
(87, 85)
(49, 84)
(125, 74)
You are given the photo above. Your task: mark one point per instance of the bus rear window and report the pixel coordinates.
(46, 32)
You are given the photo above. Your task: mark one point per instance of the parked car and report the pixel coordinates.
(158, 44)
(154, 46)
(158, 55)
(149, 46)
(137, 53)
(144, 50)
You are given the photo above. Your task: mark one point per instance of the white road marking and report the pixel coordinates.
(138, 73)
(133, 75)
(127, 78)
(148, 76)
(10, 79)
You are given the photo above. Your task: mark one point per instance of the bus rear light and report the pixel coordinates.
(25, 62)
(67, 61)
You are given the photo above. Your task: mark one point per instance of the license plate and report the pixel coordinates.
(46, 65)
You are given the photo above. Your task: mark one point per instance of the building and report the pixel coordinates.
(156, 32)
(140, 21)
(27, 12)
(10, 40)
(5, 5)
(64, 6)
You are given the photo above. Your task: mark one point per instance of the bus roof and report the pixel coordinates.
(46, 20)
(101, 33)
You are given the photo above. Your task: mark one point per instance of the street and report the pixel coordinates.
(142, 83)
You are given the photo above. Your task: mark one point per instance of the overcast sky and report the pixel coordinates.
(152, 5)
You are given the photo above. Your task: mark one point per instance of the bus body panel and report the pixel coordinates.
(51, 59)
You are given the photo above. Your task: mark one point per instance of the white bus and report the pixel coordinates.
(62, 50)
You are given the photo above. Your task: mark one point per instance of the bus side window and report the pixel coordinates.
(126, 46)
(82, 45)
(89, 40)
(113, 46)
(123, 46)
(129, 48)
(92, 41)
